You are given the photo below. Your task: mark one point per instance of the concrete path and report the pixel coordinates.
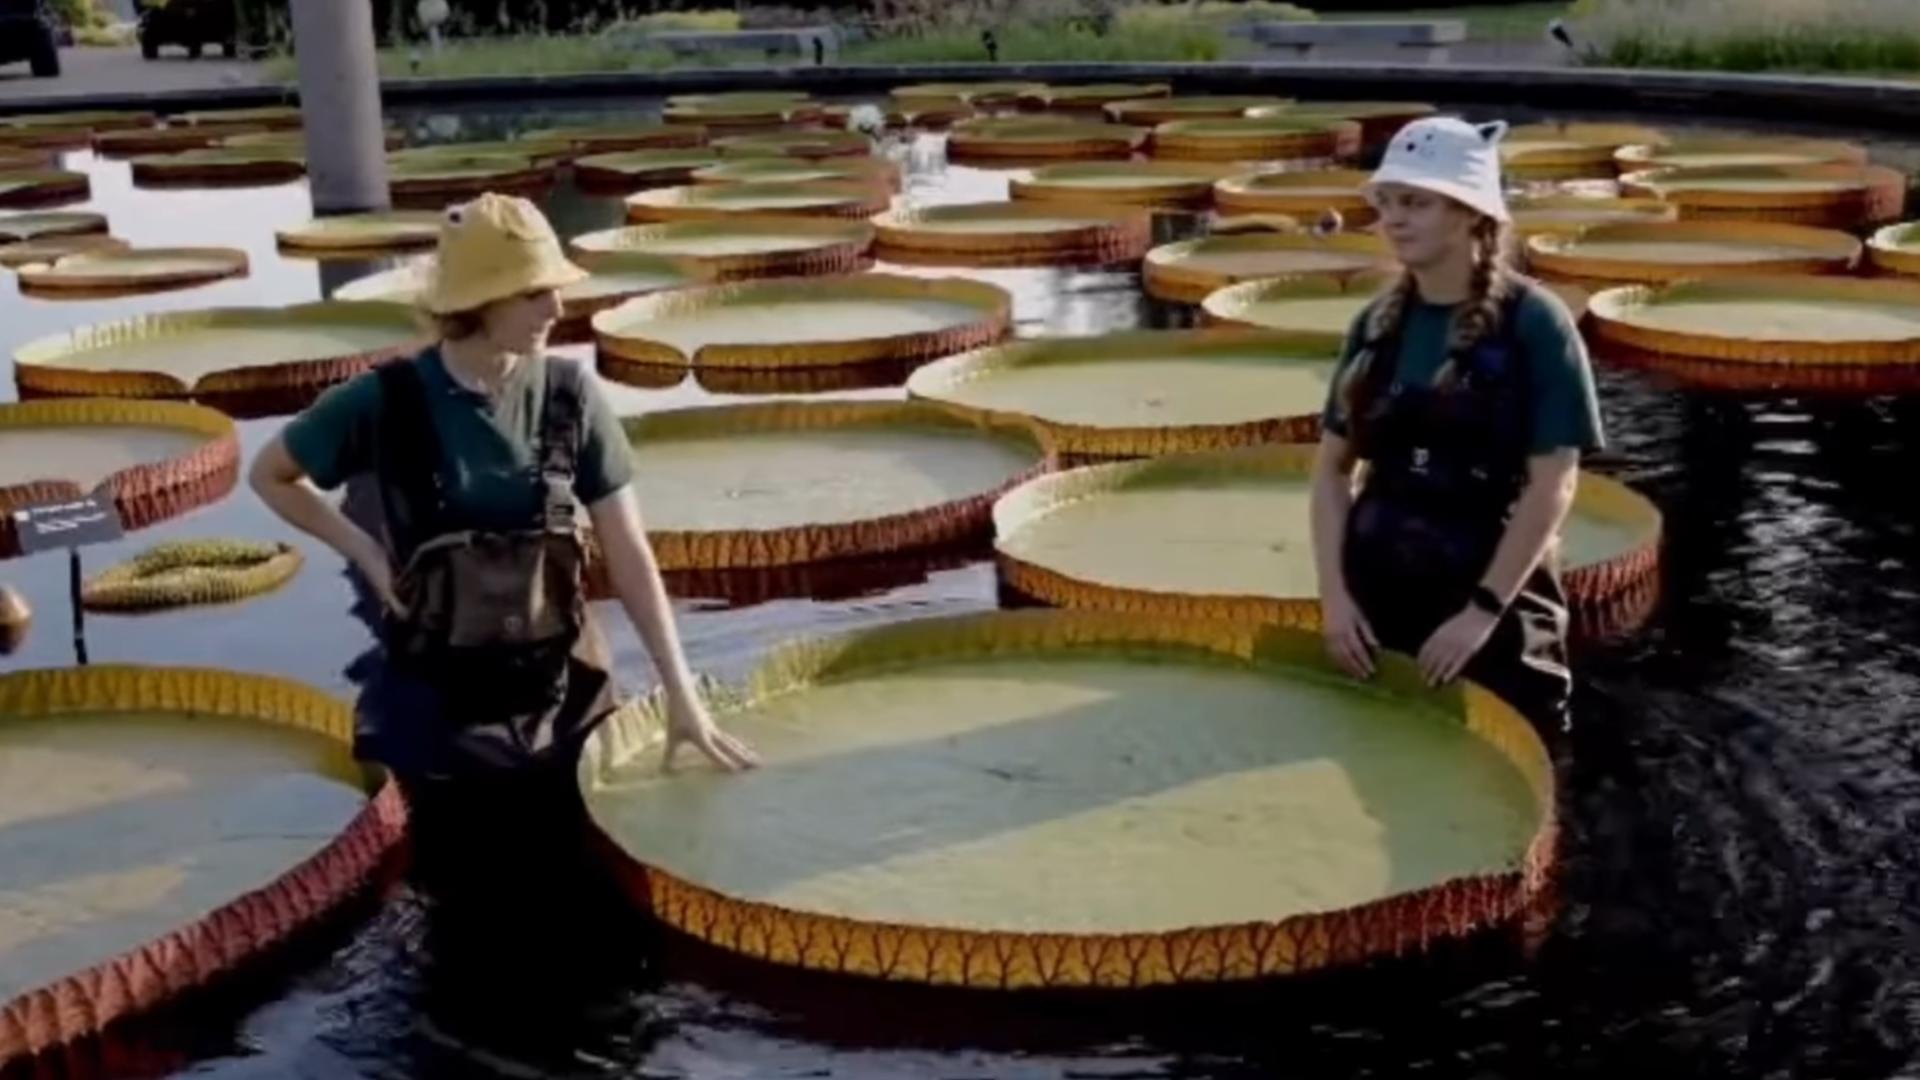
(122, 71)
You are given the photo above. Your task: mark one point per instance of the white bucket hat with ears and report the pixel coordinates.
(1448, 156)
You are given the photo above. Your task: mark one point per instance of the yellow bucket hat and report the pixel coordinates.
(492, 248)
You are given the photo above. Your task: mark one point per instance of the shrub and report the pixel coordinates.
(1751, 35)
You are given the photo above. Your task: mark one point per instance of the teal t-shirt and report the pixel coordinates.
(1565, 406)
(487, 446)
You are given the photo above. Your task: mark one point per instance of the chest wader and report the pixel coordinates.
(498, 673)
(1445, 465)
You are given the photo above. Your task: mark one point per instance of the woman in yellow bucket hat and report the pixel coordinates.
(483, 449)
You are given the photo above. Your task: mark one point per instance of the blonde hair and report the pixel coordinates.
(1492, 284)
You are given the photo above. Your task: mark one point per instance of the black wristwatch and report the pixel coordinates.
(1484, 599)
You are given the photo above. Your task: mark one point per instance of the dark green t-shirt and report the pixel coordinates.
(487, 448)
(1566, 409)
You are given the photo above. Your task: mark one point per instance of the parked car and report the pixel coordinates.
(30, 31)
(191, 24)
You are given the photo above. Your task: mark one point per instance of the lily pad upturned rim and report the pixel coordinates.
(373, 231)
(1867, 194)
(1639, 157)
(84, 1003)
(641, 168)
(217, 163)
(1173, 271)
(147, 493)
(1643, 209)
(845, 169)
(1178, 183)
(457, 174)
(44, 249)
(943, 381)
(1242, 139)
(1008, 960)
(844, 244)
(984, 94)
(793, 144)
(113, 270)
(798, 542)
(1227, 306)
(1041, 137)
(1280, 192)
(1594, 590)
(134, 142)
(1563, 255)
(1114, 234)
(1096, 96)
(992, 305)
(706, 202)
(1612, 314)
(1154, 111)
(182, 573)
(37, 363)
(613, 138)
(1893, 249)
(42, 224)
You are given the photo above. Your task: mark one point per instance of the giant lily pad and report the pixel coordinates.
(1669, 251)
(1124, 183)
(1730, 152)
(1299, 194)
(811, 322)
(1186, 271)
(1536, 215)
(1030, 233)
(442, 176)
(1226, 535)
(1833, 196)
(49, 249)
(1894, 249)
(1027, 799)
(792, 482)
(1154, 111)
(38, 187)
(740, 248)
(369, 233)
(790, 170)
(1256, 140)
(634, 169)
(222, 165)
(46, 224)
(711, 202)
(798, 144)
(162, 828)
(1032, 138)
(155, 459)
(1143, 392)
(607, 138)
(126, 270)
(1768, 319)
(220, 350)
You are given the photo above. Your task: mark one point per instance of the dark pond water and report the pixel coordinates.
(1741, 886)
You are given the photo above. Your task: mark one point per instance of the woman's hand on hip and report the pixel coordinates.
(689, 722)
(1350, 640)
(378, 571)
(1454, 644)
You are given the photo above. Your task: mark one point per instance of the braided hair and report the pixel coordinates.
(1491, 285)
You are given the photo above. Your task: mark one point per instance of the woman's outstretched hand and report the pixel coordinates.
(688, 722)
(1350, 640)
(1454, 644)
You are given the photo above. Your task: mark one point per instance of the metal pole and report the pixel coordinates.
(79, 612)
(340, 104)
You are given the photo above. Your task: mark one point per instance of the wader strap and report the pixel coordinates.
(409, 452)
(560, 437)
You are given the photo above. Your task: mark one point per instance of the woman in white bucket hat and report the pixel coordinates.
(1467, 391)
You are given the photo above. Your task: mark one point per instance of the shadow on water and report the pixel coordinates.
(1739, 884)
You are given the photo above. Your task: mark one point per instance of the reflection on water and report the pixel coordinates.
(1741, 881)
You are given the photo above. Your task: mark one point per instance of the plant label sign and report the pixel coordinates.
(73, 523)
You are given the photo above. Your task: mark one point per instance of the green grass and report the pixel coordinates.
(1857, 37)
